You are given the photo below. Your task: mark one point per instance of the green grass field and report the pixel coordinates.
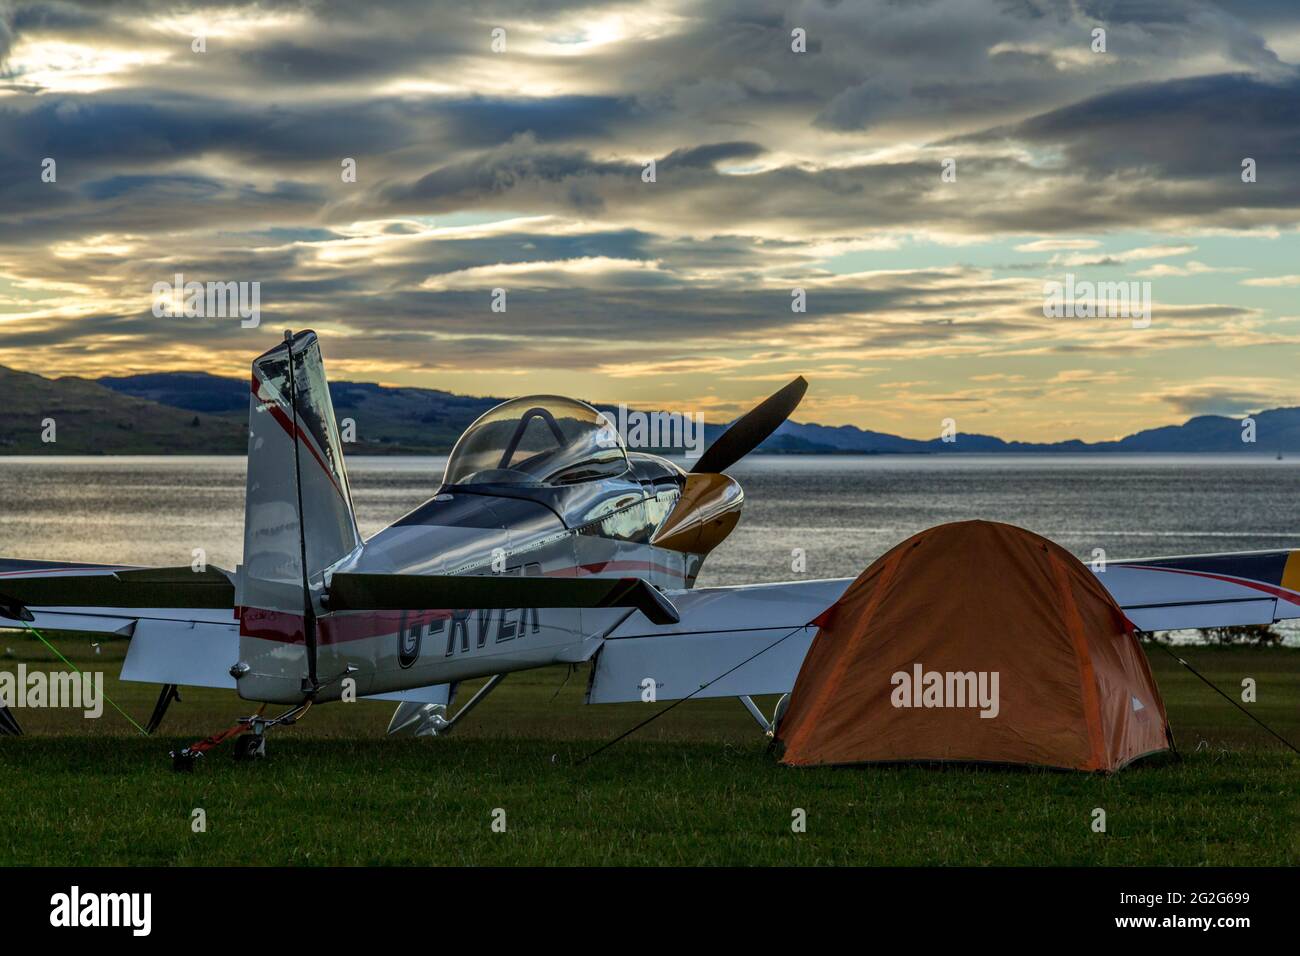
(696, 787)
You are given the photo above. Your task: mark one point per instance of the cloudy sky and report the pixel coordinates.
(209, 139)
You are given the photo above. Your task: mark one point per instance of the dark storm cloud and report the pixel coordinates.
(498, 175)
(1261, 13)
(707, 157)
(1183, 129)
(140, 128)
(227, 164)
(503, 150)
(62, 19)
(569, 180)
(285, 62)
(154, 188)
(487, 121)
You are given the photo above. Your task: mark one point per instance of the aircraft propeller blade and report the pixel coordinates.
(418, 592)
(751, 429)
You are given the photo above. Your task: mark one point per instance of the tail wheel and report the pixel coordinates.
(250, 747)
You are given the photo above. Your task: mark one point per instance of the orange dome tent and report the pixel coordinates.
(975, 641)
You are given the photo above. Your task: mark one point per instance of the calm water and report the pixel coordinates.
(843, 511)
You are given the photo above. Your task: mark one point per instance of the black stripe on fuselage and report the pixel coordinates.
(468, 510)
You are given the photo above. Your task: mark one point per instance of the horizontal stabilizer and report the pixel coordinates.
(142, 588)
(418, 592)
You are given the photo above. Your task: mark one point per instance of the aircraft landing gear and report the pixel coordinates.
(9, 723)
(431, 720)
(249, 734)
(170, 692)
(769, 726)
(250, 747)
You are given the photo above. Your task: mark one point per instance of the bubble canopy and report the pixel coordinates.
(541, 440)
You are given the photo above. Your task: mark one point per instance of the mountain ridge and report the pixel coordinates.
(189, 412)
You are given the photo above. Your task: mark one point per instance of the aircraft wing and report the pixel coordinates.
(181, 622)
(755, 635)
(1206, 590)
(721, 629)
(109, 599)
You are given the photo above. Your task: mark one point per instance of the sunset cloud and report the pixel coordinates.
(651, 185)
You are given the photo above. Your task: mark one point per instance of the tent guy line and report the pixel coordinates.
(1228, 697)
(681, 700)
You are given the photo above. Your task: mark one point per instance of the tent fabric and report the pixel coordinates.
(896, 669)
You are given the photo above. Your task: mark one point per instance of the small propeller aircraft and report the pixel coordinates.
(547, 543)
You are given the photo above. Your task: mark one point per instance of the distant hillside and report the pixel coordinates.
(196, 413)
(418, 419)
(90, 419)
(192, 391)
(409, 420)
(1275, 430)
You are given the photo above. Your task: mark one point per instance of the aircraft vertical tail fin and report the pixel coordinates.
(298, 519)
